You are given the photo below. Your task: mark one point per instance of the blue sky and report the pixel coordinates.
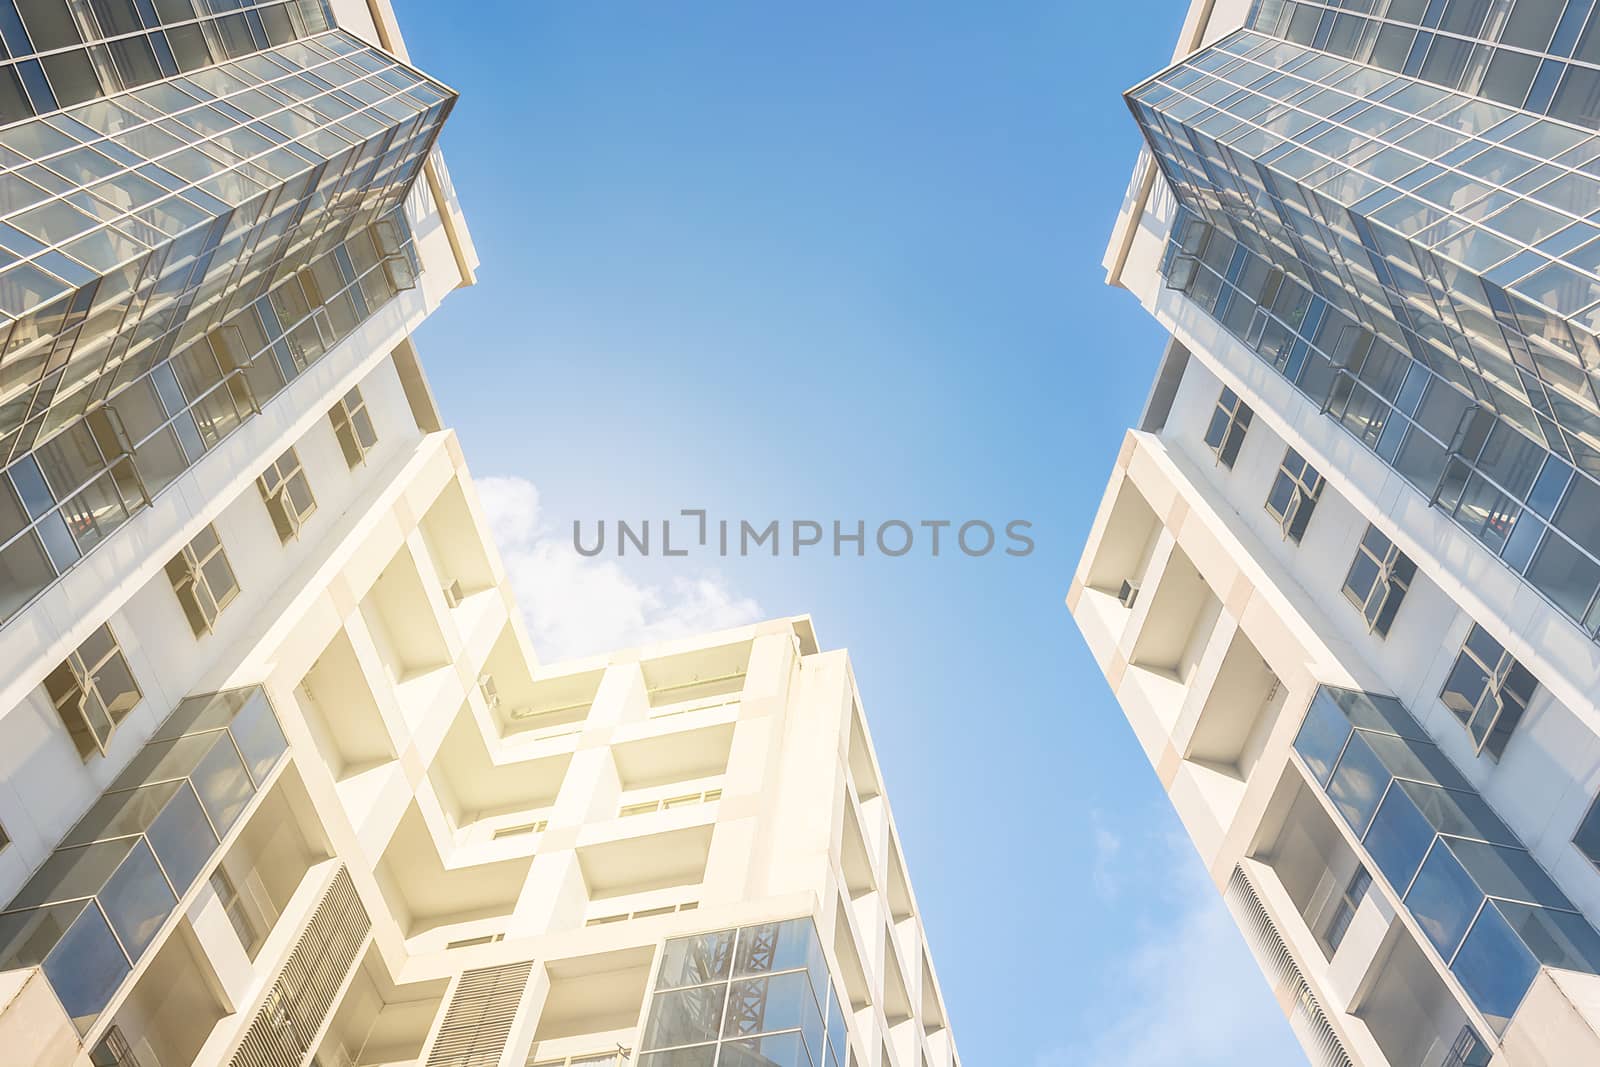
(832, 261)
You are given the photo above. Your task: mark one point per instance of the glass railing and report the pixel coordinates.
(98, 903)
(1483, 902)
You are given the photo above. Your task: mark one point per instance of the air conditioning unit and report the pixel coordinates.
(1128, 593)
(452, 594)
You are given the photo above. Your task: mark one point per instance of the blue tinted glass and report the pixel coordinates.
(16, 37)
(1507, 872)
(222, 783)
(1322, 736)
(38, 86)
(1398, 839)
(1358, 784)
(1422, 761)
(1495, 968)
(86, 967)
(836, 1023)
(1443, 900)
(1559, 938)
(1522, 543)
(781, 1002)
(31, 488)
(1370, 710)
(182, 838)
(781, 947)
(1451, 811)
(137, 900)
(258, 736)
(1548, 487)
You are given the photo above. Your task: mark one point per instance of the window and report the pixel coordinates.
(203, 580)
(287, 494)
(93, 691)
(1294, 494)
(353, 427)
(113, 1051)
(1228, 425)
(1345, 909)
(1378, 579)
(233, 907)
(1488, 690)
(1468, 1051)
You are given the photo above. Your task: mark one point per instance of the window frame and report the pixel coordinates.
(1230, 424)
(1497, 691)
(76, 681)
(1394, 574)
(1345, 908)
(277, 487)
(1304, 493)
(1592, 814)
(347, 416)
(187, 571)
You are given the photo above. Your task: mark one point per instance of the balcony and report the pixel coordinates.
(100, 902)
(1487, 908)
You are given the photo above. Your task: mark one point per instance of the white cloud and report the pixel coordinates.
(1188, 991)
(576, 606)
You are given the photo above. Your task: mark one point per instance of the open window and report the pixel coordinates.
(93, 691)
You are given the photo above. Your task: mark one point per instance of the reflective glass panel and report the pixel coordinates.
(696, 960)
(1494, 967)
(137, 900)
(86, 967)
(1443, 900)
(685, 1016)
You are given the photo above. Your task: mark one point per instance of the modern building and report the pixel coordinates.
(1343, 579)
(281, 781)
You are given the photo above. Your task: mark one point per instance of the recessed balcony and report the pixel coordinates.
(638, 865)
(1233, 727)
(425, 894)
(411, 647)
(455, 546)
(480, 796)
(380, 1023)
(1121, 561)
(338, 706)
(593, 1003)
(692, 681)
(1182, 616)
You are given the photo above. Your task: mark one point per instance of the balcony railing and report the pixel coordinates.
(97, 905)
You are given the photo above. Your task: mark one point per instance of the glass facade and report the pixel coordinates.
(1485, 905)
(135, 225)
(97, 903)
(1420, 261)
(1542, 55)
(57, 53)
(758, 996)
(98, 472)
